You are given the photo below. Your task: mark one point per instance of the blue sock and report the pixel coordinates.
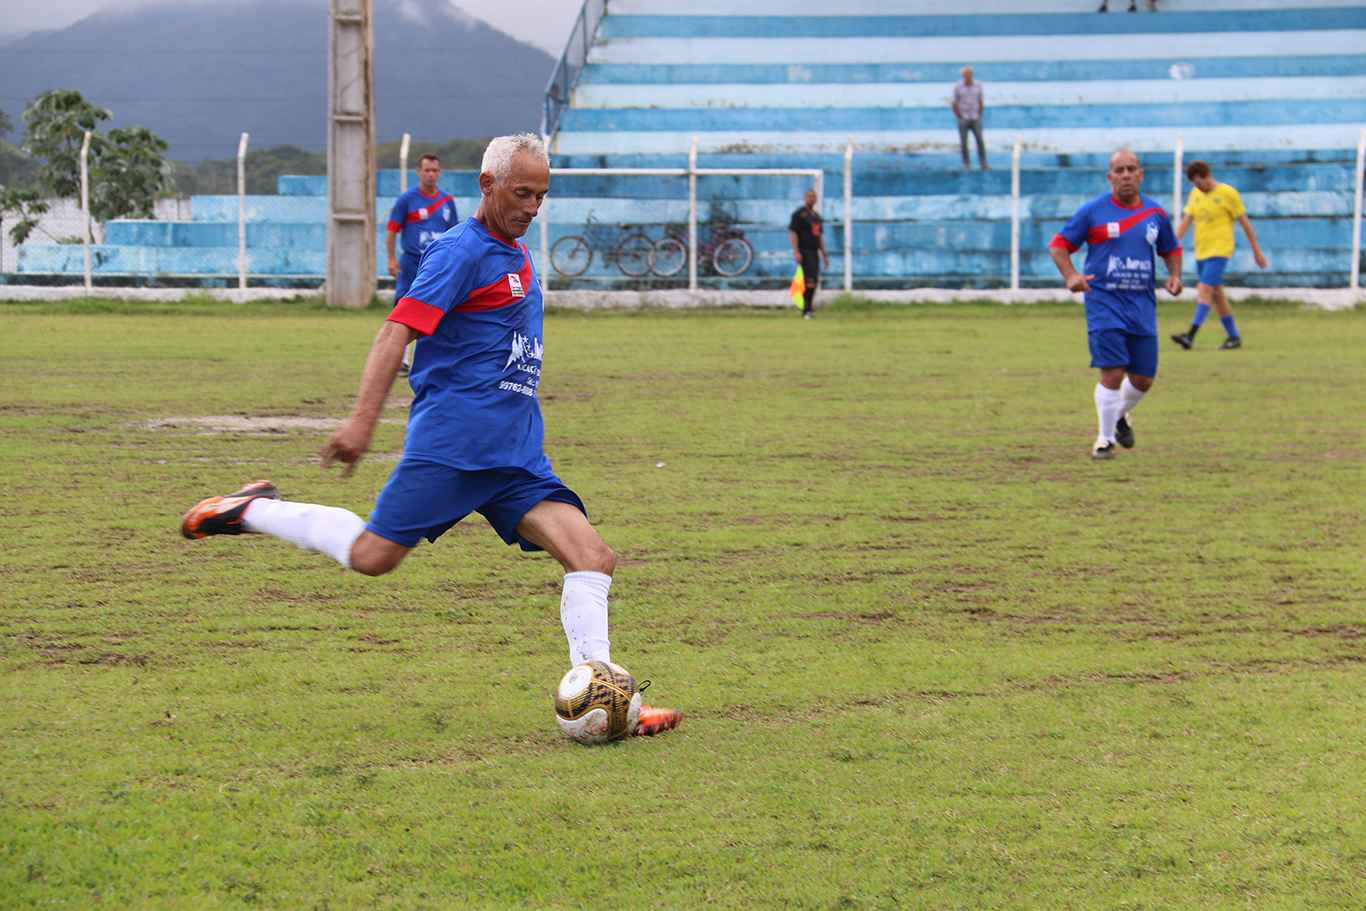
(1201, 311)
(1231, 329)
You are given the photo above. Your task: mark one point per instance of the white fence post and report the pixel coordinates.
(242, 213)
(1015, 216)
(692, 216)
(849, 216)
(1356, 214)
(544, 218)
(85, 203)
(1176, 177)
(403, 163)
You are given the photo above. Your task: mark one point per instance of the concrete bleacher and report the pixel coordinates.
(1271, 92)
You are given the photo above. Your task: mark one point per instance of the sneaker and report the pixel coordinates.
(223, 515)
(1230, 343)
(656, 721)
(403, 370)
(806, 316)
(1100, 453)
(1124, 432)
(1184, 340)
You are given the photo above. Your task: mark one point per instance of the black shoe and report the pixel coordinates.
(1230, 343)
(223, 515)
(1100, 453)
(1124, 434)
(1184, 340)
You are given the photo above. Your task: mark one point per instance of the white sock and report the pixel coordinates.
(327, 529)
(1109, 406)
(583, 611)
(1131, 394)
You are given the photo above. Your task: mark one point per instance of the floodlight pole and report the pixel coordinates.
(351, 265)
(85, 203)
(242, 212)
(1356, 212)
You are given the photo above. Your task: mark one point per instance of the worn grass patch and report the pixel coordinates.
(931, 655)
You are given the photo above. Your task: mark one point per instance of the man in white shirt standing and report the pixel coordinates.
(968, 105)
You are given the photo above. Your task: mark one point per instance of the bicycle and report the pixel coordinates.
(727, 252)
(633, 254)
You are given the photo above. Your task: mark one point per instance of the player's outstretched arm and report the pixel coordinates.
(352, 439)
(1073, 279)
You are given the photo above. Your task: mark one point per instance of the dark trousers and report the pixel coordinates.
(976, 127)
(811, 275)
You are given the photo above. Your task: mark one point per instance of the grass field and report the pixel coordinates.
(931, 655)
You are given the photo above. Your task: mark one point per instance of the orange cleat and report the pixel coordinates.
(656, 721)
(223, 515)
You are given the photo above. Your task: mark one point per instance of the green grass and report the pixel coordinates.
(931, 655)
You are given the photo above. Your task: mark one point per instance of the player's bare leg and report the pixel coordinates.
(566, 534)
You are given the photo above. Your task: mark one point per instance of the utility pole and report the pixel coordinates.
(351, 263)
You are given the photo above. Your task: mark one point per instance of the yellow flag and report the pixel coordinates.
(798, 289)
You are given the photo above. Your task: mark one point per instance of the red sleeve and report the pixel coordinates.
(1060, 241)
(416, 315)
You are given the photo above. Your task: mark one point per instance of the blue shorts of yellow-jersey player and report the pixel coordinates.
(1211, 269)
(424, 499)
(1116, 348)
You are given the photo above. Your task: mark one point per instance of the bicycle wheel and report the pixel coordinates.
(571, 255)
(732, 256)
(634, 255)
(671, 255)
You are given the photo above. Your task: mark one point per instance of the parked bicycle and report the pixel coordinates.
(629, 248)
(726, 251)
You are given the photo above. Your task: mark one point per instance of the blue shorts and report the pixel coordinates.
(424, 499)
(1211, 270)
(1116, 348)
(407, 271)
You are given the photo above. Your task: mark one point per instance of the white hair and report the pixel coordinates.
(498, 156)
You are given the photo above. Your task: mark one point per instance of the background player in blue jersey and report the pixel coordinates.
(475, 439)
(419, 216)
(1125, 233)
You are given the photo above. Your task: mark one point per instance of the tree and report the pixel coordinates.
(5, 125)
(129, 174)
(27, 206)
(56, 123)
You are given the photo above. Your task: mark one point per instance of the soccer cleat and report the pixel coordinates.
(656, 721)
(403, 370)
(1124, 432)
(1101, 453)
(1184, 340)
(1230, 343)
(223, 515)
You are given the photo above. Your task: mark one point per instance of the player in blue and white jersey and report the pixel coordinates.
(1125, 233)
(474, 439)
(419, 216)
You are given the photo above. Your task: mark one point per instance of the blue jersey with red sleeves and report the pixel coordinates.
(419, 219)
(477, 302)
(1123, 246)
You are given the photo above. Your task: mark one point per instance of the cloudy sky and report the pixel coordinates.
(544, 23)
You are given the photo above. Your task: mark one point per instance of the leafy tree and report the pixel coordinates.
(5, 125)
(27, 206)
(56, 123)
(129, 174)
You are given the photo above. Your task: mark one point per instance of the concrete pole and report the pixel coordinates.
(403, 163)
(544, 218)
(1176, 177)
(85, 203)
(351, 268)
(242, 212)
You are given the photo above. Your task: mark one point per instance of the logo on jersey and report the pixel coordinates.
(446, 213)
(515, 285)
(1112, 229)
(524, 348)
(1151, 234)
(422, 213)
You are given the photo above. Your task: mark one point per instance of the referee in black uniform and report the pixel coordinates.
(808, 247)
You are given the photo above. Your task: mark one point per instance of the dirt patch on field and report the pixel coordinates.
(238, 423)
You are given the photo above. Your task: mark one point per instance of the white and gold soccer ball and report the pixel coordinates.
(597, 702)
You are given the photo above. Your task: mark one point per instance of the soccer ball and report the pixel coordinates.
(597, 702)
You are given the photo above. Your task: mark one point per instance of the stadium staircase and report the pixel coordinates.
(1271, 92)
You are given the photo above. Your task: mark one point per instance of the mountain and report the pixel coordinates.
(199, 75)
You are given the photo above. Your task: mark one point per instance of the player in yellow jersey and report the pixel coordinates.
(1214, 207)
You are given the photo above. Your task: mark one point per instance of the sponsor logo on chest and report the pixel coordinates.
(515, 285)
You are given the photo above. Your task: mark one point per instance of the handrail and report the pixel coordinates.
(571, 63)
